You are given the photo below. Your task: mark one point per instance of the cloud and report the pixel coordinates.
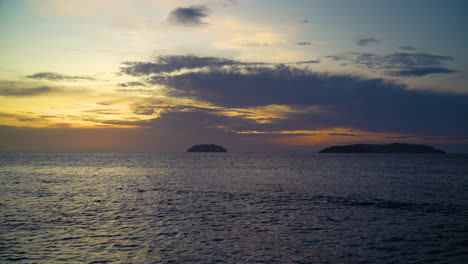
(26, 89)
(401, 64)
(171, 63)
(172, 131)
(407, 48)
(108, 111)
(131, 84)
(303, 43)
(23, 92)
(344, 134)
(415, 72)
(189, 16)
(415, 59)
(305, 21)
(22, 117)
(134, 90)
(307, 62)
(211, 99)
(155, 107)
(364, 41)
(344, 100)
(52, 76)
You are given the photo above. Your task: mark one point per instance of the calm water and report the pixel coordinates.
(233, 208)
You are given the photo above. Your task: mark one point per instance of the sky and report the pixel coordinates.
(250, 75)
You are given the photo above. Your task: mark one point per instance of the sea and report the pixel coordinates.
(233, 208)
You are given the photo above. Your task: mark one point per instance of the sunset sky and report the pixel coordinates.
(251, 75)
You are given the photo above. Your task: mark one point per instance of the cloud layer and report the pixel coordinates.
(342, 100)
(170, 63)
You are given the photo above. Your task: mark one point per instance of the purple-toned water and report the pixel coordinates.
(233, 208)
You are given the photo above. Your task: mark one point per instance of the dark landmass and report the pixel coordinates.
(388, 148)
(207, 148)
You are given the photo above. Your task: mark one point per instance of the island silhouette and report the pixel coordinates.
(387, 148)
(207, 148)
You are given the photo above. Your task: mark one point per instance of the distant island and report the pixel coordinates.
(388, 148)
(207, 148)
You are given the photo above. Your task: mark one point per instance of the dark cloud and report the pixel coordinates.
(399, 63)
(305, 21)
(52, 76)
(364, 41)
(344, 100)
(416, 72)
(407, 48)
(303, 43)
(189, 16)
(22, 92)
(170, 63)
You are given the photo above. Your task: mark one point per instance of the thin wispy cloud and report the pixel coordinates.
(308, 62)
(416, 72)
(344, 134)
(135, 90)
(52, 76)
(23, 117)
(24, 92)
(401, 64)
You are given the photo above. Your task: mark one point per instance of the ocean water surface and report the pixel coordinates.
(233, 208)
